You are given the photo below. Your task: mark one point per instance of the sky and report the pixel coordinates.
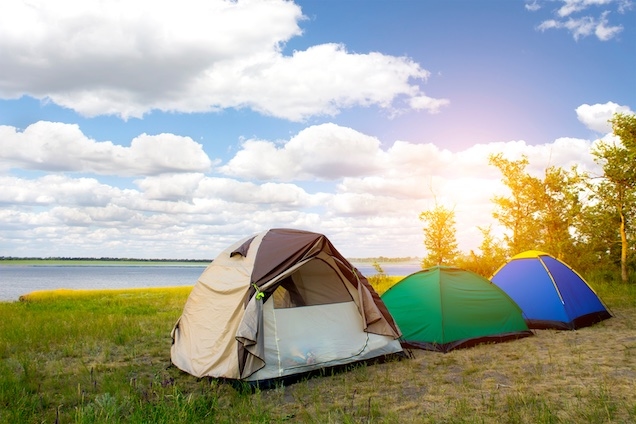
(170, 130)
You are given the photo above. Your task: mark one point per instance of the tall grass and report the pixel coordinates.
(611, 289)
(104, 357)
(382, 283)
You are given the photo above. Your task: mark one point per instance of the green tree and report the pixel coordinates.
(491, 255)
(538, 213)
(439, 236)
(624, 127)
(616, 193)
(517, 212)
(559, 206)
(597, 231)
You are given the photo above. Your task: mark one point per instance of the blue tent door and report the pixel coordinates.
(581, 299)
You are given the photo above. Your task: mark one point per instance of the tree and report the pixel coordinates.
(559, 206)
(624, 127)
(618, 185)
(597, 230)
(439, 236)
(517, 212)
(492, 255)
(539, 213)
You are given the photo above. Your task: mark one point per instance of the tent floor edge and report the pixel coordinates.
(499, 338)
(467, 343)
(580, 322)
(272, 383)
(433, 347)
(537, 324)
(591, 319)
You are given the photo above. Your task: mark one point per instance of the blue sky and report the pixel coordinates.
(138, 129)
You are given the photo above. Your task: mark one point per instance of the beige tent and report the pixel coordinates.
(281, 303)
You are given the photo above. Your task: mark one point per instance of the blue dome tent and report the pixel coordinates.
(549, 292)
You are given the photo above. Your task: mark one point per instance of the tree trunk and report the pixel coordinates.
(623, 249)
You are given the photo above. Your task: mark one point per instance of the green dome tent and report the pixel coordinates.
(446, 308)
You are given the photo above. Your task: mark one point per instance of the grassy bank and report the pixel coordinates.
(104, 356)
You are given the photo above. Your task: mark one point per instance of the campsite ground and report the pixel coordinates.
(104, 357)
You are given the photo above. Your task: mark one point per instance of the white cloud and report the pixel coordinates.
(417, 176)
(321, 80)
(157, 154)
(58, 147)
(581, 27)
(592, 22)
(325, 152)
(272, 195)
(362, 204)
(585, 26)
(369, 206)
(170, 187)
(428, 103)
(604, 31)
(129, 58)
(53, 189)
(396, 186)
(573, 6)
(596, 117)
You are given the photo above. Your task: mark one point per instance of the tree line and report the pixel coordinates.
(384, 259)
(587, 221)
(85, 259)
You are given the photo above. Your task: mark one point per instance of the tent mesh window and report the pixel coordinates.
(316, 283)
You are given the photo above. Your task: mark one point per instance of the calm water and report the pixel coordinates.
(18, 280)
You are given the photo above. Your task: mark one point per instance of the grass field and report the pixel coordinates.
(104, 357)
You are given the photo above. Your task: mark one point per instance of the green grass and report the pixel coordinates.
(104, 357)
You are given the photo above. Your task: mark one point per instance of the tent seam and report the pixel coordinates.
(280, 369)
(554, 284)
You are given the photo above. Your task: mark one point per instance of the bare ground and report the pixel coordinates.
(588, 375)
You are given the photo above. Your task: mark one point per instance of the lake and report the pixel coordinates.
(16, 280)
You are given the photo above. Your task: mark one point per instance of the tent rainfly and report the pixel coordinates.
(445, 308)
(278, 304)
(549, 292)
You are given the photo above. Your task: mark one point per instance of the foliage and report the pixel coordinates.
(378, 269)
(517, 212)
(439, 236)
(624, 127)
(539, 213)
(598, 244)
(492, 255)
(559, 204)
(382, 283)
(585, 221)
(615, 195)
(383, 259)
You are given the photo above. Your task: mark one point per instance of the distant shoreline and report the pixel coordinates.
(102, 262)
(10, 261)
